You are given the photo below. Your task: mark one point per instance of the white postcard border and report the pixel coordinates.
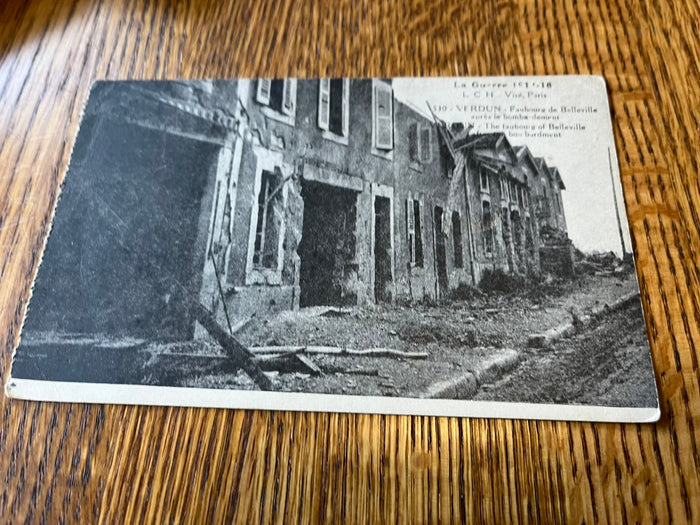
(101, 393)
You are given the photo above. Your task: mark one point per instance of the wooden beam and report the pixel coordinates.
(236, 352)
(338, 351)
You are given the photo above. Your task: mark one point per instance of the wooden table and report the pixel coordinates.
(117, 464)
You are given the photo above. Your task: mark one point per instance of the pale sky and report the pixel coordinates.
(580, 154)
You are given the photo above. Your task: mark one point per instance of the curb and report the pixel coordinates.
(546, 339)
(467, 385)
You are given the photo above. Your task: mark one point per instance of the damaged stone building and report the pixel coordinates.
(338, 194)
(333, 192)
(515, 205)
(274, 194)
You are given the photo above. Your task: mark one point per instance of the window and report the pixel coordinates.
(484, 181)
(457, 239)
(278, 94)
(414, 232)
(419, 140)
(525, 198)
(383, 116)
(269, 221)
(503, 183)
(333, 105)
(487, 227)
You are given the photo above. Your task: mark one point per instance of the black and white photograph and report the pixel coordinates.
(428, 246)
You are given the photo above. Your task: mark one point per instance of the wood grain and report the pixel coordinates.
(117, 464)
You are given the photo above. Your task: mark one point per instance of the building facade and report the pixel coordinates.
(333, 192)
(258, 196)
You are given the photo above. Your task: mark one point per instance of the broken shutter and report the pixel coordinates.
(486, 227)
(425, 144)
(383, 112)
(346, 107)
(484, 180)
(413, 144)
(289, 95)
(264, 89)
(324, 102)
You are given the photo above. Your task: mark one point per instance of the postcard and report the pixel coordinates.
(429, 246)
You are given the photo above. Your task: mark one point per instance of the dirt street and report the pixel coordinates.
(457, 335)
(606, 363)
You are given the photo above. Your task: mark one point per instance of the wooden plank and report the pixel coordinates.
(287, 362)
(338, 351)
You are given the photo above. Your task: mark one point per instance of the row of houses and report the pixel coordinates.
(335, 192)
(287, 193)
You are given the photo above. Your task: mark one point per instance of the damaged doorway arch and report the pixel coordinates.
(327, 251)
(382, 243)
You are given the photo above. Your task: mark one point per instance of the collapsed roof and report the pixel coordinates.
(457, 137)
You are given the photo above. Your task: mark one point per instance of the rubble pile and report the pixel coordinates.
(606, 263)
(556, 252)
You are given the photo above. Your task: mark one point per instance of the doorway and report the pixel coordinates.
(327, 247)
(517, 235)
(382, 249)
(131, 217)
(507, 239)
(440, 252)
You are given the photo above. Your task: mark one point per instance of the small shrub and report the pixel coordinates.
(499, 281)
(429, 301)
(464, 292)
